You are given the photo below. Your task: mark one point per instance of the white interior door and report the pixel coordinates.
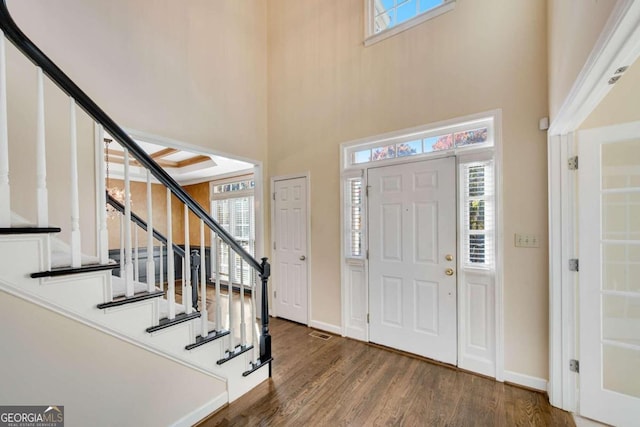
(609, 287)
(290, 247)
(412, 248)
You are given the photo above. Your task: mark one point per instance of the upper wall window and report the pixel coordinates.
(463, 137)
(389, 17)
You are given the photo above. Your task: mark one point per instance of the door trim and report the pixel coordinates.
(618, 45)
(349, 265)
(307, 177)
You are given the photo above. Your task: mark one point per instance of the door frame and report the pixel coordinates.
(353, 324)
(618, 45)
(307, 176)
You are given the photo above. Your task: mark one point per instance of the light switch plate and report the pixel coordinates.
(527, 240)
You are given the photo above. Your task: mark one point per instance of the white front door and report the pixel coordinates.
(290, 249)
(412, 248)
(609, 275)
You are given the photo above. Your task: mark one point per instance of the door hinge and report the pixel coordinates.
(574, 366)
(367, 254)
(274, 196)
(574, 264)
(275, 294)
(573, 163)
(366, 190)
(367, 317)
(274, 246)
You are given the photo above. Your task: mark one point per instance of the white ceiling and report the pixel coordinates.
(205, 169)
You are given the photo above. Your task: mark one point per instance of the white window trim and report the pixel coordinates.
(485, 156)
(232, 194)
(420, 132)
(370, 37)
(465, 154)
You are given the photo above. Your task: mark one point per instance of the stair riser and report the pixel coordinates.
(77, 296)
(34, 251)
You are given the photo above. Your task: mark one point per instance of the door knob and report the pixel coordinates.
(302, 257)
(449, 272)
(449, 257)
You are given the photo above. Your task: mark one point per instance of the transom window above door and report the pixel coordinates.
(428, 143)
(388, 17)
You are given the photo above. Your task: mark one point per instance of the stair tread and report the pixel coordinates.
(63, 271)
(140, 296)
(180, 318)
(241, 349)
(256, 366)
(29, 229)
(212, 336)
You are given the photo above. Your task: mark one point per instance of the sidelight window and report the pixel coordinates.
(478, 214)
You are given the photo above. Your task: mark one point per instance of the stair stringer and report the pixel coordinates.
(76, 296)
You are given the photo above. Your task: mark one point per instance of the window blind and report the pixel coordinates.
(236, 215)
(478, 204)
(355, 217)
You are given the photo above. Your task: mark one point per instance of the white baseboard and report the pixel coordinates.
(525, 380)
(206, 409)
(337, 330)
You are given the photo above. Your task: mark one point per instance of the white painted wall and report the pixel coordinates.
(48, 359)
(326, 88)
(573, 29)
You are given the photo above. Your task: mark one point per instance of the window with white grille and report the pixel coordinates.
(233, 207)
(355, 220)
(389, 17)
(478, 214)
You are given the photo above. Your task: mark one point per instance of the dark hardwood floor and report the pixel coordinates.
(344, 382)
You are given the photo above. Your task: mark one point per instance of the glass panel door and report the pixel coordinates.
(609, 210)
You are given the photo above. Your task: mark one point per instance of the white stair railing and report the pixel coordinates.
(255, 332)
(5, 193)
(243, 323)
(230, 301)
(76, 250)
(237, 255)
(136, 256)
(204, 315)
(161, 275)
(42, 197)
(103, 232)
(122, 270)
(171, 273)
(186, 272)
(128, 261)
(215, 269)
(151, 266)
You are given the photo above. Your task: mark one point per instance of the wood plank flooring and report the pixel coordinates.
(341, 382)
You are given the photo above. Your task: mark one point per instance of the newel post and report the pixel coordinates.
(195, 266)
(265, 338)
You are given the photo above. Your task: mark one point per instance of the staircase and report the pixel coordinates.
(219, 338)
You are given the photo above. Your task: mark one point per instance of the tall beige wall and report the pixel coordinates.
(192, 71)
(574, 28)
(101, 380)
(326, 88)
